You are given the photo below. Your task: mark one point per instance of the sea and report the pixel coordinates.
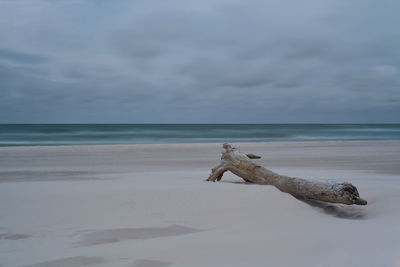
(99, 134)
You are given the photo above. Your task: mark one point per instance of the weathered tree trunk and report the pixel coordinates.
(242, 165)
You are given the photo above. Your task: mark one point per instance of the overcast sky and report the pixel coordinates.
(208, 61)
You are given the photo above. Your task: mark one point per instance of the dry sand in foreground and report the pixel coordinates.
(149, 206)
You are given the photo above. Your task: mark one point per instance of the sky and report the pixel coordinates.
(208, 61)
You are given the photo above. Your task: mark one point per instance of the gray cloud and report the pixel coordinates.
(208, 61)
(20, 57)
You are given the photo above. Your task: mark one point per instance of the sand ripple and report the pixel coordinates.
(117, 235)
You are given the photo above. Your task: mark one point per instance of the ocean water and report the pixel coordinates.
(86, 134)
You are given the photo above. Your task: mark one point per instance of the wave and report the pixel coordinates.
(66, 134)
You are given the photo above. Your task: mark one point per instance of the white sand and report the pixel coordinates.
(149, 206)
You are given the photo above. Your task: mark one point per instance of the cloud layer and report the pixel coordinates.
(199, 61)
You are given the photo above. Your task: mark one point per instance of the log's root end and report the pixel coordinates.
(351, 193)
(360, 201)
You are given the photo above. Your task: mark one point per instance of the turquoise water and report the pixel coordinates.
(84, 134)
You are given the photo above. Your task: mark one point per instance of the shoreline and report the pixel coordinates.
(333, 142)
(124, 134)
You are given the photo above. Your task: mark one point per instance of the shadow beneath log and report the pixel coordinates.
(238, 182)
(341, 211)
(336, 210)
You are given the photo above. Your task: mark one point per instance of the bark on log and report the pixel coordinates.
(241, 164)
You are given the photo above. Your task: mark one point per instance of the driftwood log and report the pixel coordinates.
(241, 164)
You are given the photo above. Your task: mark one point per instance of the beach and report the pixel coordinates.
(148, 205)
